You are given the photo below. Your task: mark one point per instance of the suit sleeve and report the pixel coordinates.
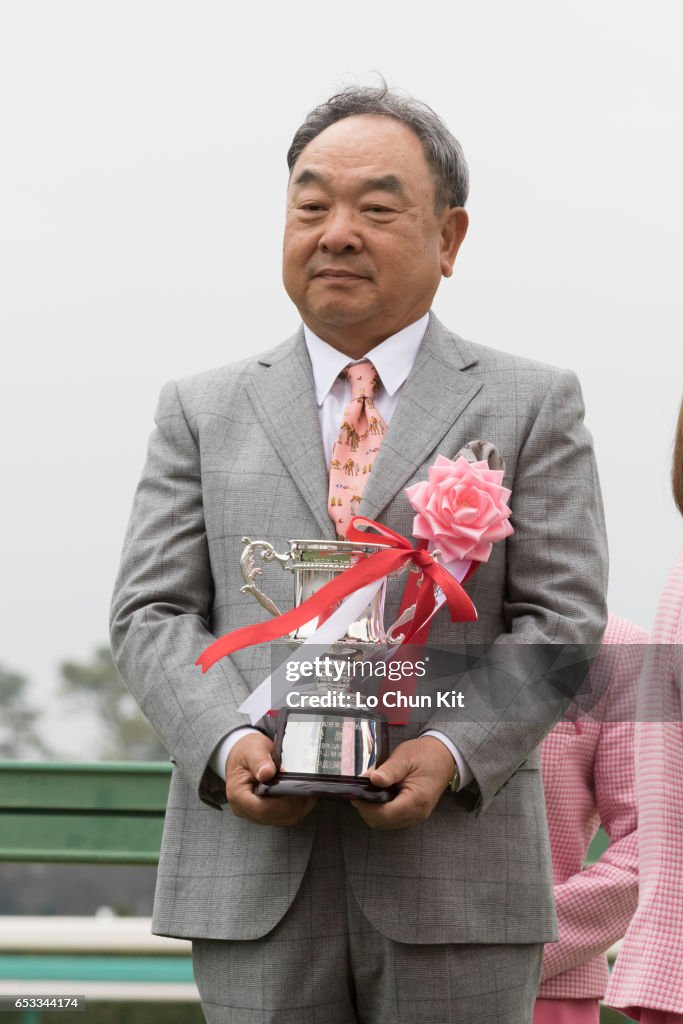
(161, 606)
(595, 906)
(555, 597)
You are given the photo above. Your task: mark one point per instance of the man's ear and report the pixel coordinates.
(453, 231)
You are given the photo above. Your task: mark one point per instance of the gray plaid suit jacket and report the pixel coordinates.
(237, 451)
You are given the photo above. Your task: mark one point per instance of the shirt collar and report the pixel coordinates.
(393, 358)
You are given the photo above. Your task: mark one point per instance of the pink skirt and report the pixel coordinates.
(567, 1011)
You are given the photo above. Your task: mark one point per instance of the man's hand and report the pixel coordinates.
(422, 769)
(250, 762)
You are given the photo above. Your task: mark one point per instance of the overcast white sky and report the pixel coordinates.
(142, 180)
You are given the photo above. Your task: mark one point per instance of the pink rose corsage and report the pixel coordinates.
(461, 508)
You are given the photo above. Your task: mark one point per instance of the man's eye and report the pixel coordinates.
(311, 207)
(375, 208)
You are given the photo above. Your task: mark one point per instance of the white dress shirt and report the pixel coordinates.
(393, 359)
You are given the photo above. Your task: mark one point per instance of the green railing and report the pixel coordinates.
(97, 813)
(78, 813)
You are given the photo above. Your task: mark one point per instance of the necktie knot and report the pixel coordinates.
(363, 379)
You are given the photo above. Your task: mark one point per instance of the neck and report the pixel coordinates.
(357, 340)
(354, 350)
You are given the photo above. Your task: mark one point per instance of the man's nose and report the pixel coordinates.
(340, 233)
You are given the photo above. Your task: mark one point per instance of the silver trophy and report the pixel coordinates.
(327, 751)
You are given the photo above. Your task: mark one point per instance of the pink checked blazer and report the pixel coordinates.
(649, 969)
(588, 778)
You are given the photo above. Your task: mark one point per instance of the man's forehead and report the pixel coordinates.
(366, 133)
(371, 150)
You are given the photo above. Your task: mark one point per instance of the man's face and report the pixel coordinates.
(363, 249)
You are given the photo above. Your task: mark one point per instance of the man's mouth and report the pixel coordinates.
(340, 274)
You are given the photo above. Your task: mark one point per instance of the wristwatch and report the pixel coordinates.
(454, 784)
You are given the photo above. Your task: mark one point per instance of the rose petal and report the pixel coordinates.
(461, 507)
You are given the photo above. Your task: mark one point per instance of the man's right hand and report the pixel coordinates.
(248, 763)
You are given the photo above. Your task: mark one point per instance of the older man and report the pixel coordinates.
(435, 906)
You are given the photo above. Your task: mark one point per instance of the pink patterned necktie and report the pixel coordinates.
(355, 450)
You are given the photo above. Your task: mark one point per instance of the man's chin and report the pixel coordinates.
(340, 315)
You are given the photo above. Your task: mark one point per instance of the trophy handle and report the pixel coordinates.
(392, 636)
(250, 570)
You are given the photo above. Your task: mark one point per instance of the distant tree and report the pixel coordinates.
(127, 736)
(18, 734)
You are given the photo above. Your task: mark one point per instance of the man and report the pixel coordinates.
(433, 907)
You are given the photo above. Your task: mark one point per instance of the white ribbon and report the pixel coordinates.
(260, 701)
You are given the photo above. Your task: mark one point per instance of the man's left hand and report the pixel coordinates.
(422, 769)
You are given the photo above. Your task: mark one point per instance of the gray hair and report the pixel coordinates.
(442, 150)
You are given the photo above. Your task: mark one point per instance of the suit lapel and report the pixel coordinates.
(433, 397)
(283, 397)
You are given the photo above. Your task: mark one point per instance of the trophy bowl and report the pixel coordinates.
(326, 751)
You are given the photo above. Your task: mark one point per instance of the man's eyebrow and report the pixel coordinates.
(386, 183)
(309, 177)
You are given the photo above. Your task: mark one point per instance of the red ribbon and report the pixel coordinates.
(416, 637)
(373, 567)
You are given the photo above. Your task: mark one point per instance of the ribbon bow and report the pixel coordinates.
(367, 570)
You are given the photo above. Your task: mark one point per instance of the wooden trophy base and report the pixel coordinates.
(334, 786)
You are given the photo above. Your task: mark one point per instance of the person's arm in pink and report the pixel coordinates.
(595, 905)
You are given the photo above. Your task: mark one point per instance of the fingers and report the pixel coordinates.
(394, 770)
(253, 752)
(278, 812)
(421, 769)
(403, 811)
(249, 762)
